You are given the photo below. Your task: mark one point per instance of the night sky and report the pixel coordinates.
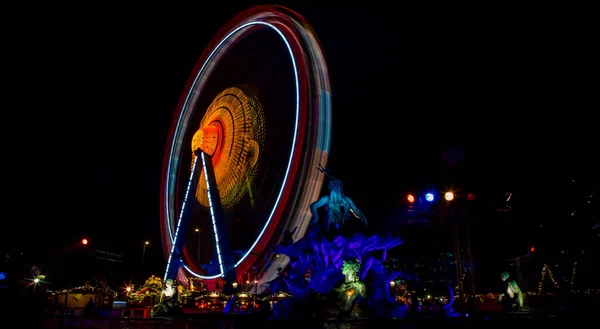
(93, 90)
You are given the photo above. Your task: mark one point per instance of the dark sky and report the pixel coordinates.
(93, 92)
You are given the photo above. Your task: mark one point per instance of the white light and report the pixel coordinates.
(449, 196)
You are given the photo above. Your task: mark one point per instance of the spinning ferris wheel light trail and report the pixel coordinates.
(233, 163)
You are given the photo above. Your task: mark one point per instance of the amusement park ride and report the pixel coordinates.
(240, 165)
(254, 149)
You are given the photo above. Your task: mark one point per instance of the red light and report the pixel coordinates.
(471, 197)
(410, 198)
(532, 249)
(84, 241)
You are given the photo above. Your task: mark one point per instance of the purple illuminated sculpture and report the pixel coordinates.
(336, 272)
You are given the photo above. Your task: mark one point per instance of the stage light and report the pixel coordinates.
(449, 196)
(429, 197)
(84, 241)
(410, 198)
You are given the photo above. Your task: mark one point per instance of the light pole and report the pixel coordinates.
(146, 243)
(449, 196)
(197, 230)
(255, 272)
(469, 255)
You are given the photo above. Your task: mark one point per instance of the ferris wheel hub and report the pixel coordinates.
(206, 139)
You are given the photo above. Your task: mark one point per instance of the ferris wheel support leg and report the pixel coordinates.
(175, 257)
(223, 245)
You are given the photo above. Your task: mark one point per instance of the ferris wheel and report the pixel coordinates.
(252, 125)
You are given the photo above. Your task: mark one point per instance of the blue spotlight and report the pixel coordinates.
(429, 197)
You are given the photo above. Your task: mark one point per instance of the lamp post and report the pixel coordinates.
(469, 254)
(255, 272)
(197, 230)
(449, 196)
(146, 243)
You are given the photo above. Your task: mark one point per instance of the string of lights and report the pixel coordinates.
(546, 270)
